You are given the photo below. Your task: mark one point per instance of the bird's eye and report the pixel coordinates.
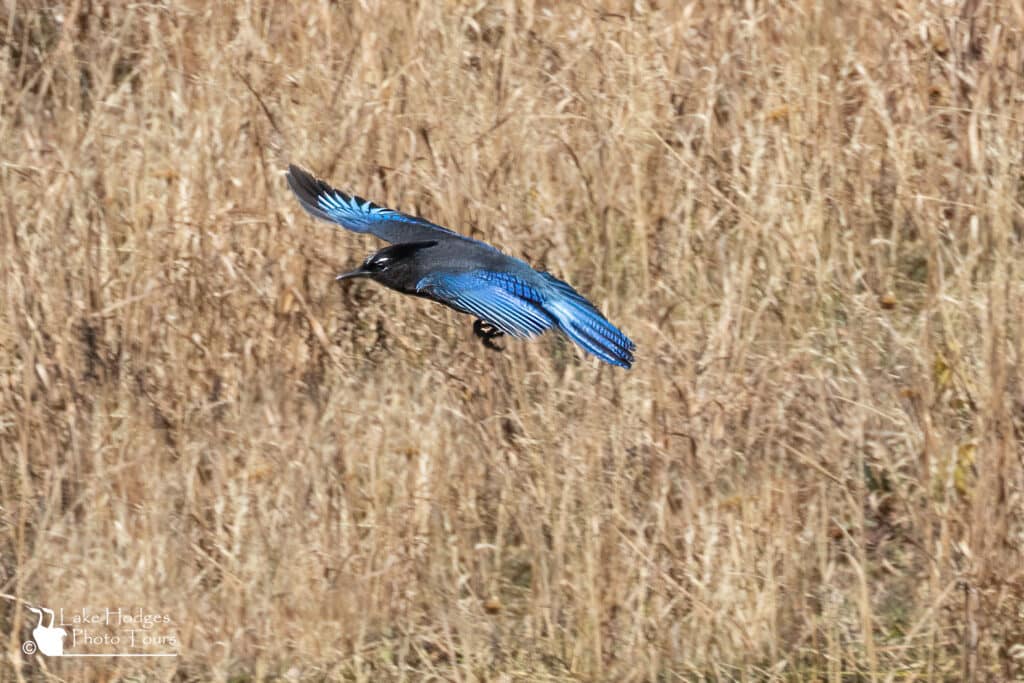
(376, 265)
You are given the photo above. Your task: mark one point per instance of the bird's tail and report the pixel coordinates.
(585, 325)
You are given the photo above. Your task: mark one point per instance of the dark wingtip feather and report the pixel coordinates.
(309, 189)
(305, 186)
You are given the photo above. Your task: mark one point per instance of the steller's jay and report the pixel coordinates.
(504, 293)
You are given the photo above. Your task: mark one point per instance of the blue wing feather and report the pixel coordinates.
(360, 215)
(585, 325)
(356, 213)
(498, 298)
(518, 308)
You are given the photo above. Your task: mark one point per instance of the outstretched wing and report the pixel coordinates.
(585, 325)
(505, 301)
(518, 308)
(360, 215)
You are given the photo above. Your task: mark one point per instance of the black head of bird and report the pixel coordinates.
(398, 266)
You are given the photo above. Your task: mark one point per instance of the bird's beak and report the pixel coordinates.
(355, 273)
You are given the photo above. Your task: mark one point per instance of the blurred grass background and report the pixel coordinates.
(808, 215)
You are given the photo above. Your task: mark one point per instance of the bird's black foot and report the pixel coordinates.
(488, 333)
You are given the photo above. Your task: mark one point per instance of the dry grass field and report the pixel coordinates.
(809, 215)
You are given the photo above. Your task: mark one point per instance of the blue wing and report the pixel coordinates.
(518, 308)
(360, 215)
(585, 325)
(505, 301)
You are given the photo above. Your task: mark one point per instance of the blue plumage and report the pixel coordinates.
(498, 298)
(357, 214)
(430, 261)
(585, 325)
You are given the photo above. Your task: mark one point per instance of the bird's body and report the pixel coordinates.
(468, 275)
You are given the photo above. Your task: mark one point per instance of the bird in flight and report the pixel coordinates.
(504, 293)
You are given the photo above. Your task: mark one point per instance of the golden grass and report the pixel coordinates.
(808, 215)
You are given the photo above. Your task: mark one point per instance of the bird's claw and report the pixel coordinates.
(488, 333)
